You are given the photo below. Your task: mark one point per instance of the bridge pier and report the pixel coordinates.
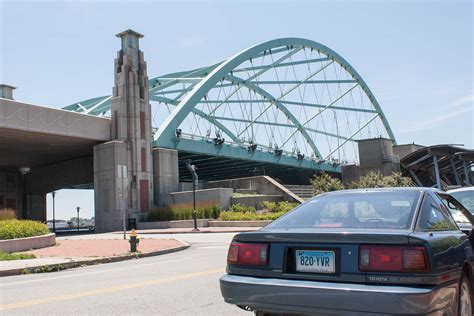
(123, 174)
(165, 174)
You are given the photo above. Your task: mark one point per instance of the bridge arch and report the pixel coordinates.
(275, 76)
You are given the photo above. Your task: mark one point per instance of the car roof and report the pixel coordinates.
(461, 189)
(386, 189)
(381, 190)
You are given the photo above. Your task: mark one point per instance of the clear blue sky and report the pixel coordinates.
(416, 56)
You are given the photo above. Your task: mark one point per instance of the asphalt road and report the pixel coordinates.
(182, 283)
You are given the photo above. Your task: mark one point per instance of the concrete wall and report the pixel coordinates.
(165, 174)
(261, 184)
(221, 196)
(29, 117)
(172, 224)
(239, 223)
(22, 244)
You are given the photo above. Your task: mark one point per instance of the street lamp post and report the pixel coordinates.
(78, 208)
(192, 169)
(54, 212)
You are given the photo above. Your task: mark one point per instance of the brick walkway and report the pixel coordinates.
(102, 247)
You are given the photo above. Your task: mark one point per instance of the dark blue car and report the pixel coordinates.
(381, 251)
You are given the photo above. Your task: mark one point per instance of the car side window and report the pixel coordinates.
(434, 217)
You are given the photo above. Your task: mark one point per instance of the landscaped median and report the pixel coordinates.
(75, 253)
(19, 235)
(210, 215)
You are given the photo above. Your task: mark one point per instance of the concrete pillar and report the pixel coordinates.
(110, 192)
(165, 174)
(376, 154)
(131, 120)
(37, 207)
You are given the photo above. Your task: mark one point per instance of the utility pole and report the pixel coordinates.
(192, 169)
(54, 212)
(78, 208)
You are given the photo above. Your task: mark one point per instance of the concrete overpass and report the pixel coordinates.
(42, 150)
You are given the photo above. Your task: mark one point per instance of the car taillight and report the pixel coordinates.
(383, 258)
(248, 254)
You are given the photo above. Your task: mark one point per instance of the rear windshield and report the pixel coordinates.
(389, 210)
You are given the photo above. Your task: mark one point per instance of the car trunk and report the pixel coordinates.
(340, 246)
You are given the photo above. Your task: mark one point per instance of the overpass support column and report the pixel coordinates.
(110, 189)
(165, 174)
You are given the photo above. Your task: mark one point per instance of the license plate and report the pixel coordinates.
(315, 261)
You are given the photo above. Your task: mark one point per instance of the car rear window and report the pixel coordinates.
(389, 210)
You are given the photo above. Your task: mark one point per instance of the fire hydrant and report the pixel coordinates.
(134, 241)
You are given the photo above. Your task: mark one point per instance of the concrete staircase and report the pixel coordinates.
(303, 191)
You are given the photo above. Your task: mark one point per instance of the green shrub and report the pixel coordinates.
(270, 206)
(325, 183)
(377, 180)
(241, 208)
(248, 216)
(13, 228)
(283, 206)
(7, 213)
(184, 212)
(4, 256)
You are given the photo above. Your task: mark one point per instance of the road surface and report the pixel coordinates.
(182, 283)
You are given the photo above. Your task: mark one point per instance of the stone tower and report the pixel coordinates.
(131, 120)
(123, 175)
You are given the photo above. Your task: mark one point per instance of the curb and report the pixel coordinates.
(149, 232)
(74, 264)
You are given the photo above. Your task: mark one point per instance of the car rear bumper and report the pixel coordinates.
(281, 295)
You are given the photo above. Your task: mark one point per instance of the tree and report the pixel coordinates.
(377, 180)
(325, 183)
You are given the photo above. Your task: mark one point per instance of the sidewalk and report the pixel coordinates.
(78, 252)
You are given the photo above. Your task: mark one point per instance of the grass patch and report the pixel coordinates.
(5, 256)
(14, 228)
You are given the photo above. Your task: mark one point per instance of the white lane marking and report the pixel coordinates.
(93, 272)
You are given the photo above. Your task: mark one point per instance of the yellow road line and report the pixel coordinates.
(81, 274)
(108, 290)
